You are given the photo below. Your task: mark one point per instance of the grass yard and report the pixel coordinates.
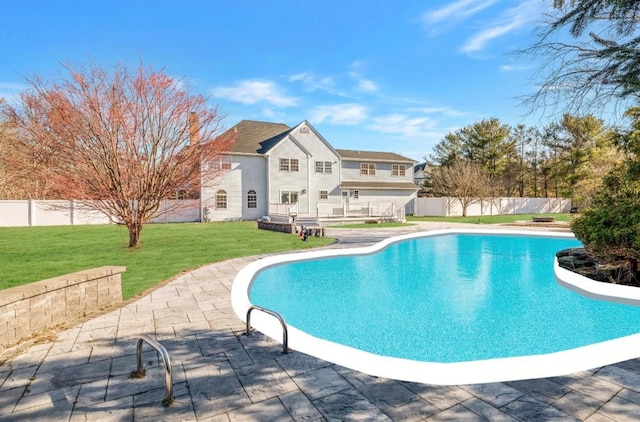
(36, 253)
(492, 219)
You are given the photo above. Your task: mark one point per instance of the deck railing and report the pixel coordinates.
(383, 210)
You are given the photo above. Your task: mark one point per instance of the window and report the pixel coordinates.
(221, 199)
(398, 170)
(287, 197)
(356, 194)
(252, 199)
(289, 164)
(368, 169)
(323, 167)
(220, 165)
(324, 194)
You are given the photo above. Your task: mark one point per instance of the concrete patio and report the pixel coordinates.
(83, 372)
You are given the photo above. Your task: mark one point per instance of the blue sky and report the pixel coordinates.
(370, 75)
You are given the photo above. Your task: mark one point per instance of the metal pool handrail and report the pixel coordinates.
(285, 334)
(167, 365)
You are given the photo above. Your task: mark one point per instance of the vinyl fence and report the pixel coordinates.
(64, 213)
(450, 207)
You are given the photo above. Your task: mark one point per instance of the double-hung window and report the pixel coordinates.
(288, 197)
(323, 167)
(289, 164)
(368, 169)
(398, 170)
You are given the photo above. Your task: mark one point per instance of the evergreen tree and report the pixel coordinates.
(600, 63)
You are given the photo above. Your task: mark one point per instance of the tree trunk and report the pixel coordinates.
(134, 235)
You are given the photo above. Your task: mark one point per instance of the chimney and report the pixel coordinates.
(194, 129)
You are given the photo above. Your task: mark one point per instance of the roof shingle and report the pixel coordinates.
(253, 137)
(348, 154)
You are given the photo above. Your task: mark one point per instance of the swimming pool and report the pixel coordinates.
(445, 307)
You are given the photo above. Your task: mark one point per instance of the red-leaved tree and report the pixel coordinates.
(120, 141)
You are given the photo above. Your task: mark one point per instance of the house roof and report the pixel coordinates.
(253, 137)
(353, 155)
(379, 185)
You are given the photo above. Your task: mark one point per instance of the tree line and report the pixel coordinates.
(566, 158)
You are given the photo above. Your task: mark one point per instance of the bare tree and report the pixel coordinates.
(123, 141)
(465, 181)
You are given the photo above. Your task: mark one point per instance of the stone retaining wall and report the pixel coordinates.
(276, 227)
(31, 308)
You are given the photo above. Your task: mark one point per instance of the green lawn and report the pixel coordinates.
(35, 253)
(492, 219)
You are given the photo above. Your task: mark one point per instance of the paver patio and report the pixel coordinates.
(83, 372)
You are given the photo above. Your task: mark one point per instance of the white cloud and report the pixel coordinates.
(255, 91)
(363, 84)
(510, 68)
(507, 22)
(313, 82)
(444, 110)
(10, 91)
(482, 38)
(367, 86)
(339, 114)
(403, 125)
(457, 11)
(448, 16)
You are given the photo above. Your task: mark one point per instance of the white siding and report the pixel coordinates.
(351, 172)
(254, 172)
(247, 173)
(307, 148)
(292, 181)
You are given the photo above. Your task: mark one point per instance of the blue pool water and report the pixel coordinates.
(445, 298)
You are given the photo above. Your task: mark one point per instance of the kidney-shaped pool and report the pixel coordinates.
(444, 307)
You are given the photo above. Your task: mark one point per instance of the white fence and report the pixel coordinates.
(64, 213)
(450, 207)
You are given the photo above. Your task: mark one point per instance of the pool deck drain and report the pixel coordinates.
(83, 372)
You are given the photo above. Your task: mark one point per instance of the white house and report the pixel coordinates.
(275, 169)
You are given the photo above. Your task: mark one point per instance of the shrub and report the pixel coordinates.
(610, 227)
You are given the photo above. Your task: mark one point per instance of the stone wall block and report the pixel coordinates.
(90, 294)
(40, 309)
(58, 306)
(26, 310)
(74, 302)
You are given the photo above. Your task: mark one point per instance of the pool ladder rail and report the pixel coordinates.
(285, 332)
(140, 372)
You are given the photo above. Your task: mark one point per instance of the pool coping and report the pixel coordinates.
(472, 372)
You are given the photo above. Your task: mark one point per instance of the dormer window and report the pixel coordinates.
(368, 169)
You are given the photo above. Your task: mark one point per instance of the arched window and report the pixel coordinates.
(221, 199)
(252, 199)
